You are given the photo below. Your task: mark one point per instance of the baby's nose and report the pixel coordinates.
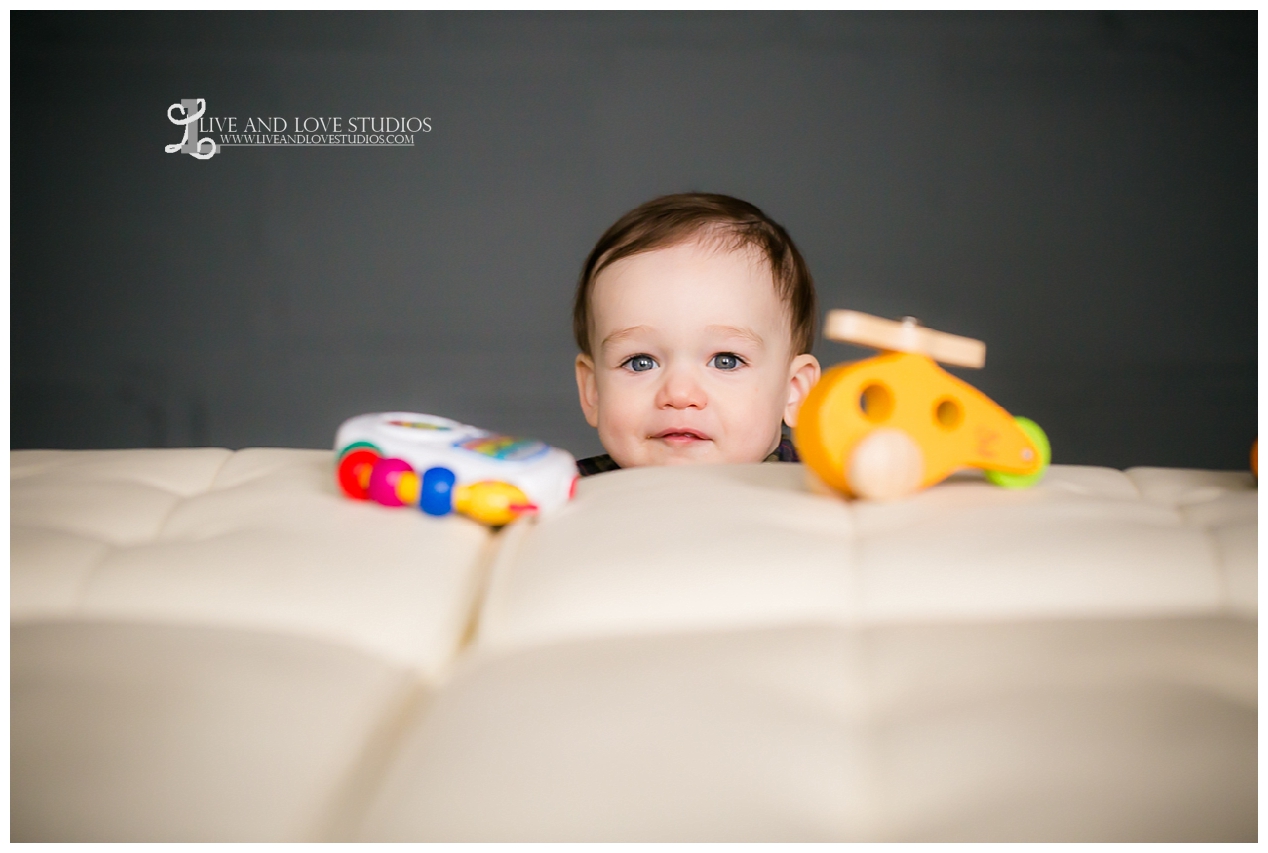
(681, 390)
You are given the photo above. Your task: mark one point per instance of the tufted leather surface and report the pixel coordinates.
(733, 546)
(143, 732)
(1080, 730)
(257, 539)
(215, 645)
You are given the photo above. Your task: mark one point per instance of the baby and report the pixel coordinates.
(695, 315)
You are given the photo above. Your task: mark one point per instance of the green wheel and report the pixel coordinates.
(1025, 481)
(357, 445)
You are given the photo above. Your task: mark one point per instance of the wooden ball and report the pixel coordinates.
(885, 465)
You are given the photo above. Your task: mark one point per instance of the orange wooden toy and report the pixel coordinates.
(887, 426)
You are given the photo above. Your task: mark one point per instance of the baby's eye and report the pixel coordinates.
(726, 361)
(639, 363)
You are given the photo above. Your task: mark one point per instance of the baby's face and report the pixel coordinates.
(693, 358)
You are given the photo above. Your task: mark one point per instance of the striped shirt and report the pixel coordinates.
(785, 452)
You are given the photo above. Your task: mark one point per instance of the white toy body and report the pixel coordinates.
(545, 474)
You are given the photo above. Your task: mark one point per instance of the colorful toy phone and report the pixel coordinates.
(886, 426)
(442, 466)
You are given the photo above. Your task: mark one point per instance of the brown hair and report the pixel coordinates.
(673, 220)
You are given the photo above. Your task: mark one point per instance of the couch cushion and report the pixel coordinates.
(721, 547)
(1081, 543)
(1127, 730)
(183, 472)
(179, 733)
(1186, 486)
(674, 548)
(1226, 504)
(253, 539)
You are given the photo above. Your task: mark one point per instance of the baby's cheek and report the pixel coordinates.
(759, 423)
(617, 431)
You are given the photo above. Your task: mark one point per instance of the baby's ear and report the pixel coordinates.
(803, 374)
(588, 389)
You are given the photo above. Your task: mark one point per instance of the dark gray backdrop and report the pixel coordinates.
(1078, 190)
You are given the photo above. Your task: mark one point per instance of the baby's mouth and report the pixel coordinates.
(680, 437)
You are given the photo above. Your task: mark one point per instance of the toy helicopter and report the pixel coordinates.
(887, 426)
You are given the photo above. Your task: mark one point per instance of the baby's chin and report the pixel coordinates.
(700, 452)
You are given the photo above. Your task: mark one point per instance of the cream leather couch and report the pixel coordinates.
(209, 645)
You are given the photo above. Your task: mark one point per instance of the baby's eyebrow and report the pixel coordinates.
(737, 332)
(621, 334)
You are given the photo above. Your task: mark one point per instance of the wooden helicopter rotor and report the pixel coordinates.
(906, 335)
